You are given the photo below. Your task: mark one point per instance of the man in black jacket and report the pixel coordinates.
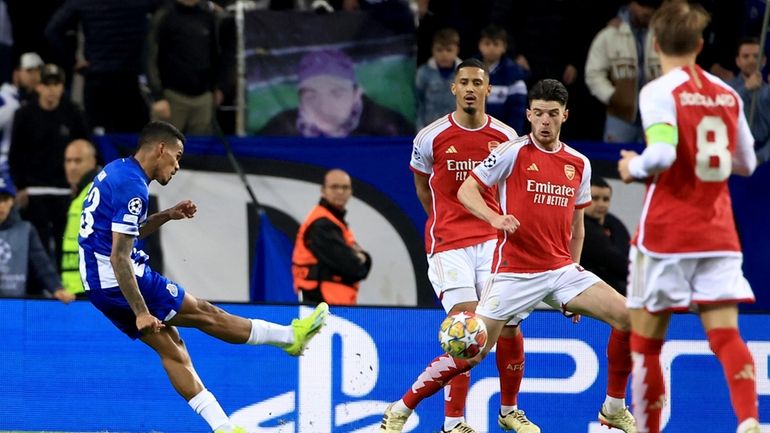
(115, 32)
(183, 65)
(42, 130)
(605, 249)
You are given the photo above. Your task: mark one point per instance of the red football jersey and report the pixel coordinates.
(541, 189)
(687, 210)
(447, 152)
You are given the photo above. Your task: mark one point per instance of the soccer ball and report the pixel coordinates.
(462, 335)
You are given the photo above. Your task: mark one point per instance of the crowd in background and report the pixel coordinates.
(72, 69)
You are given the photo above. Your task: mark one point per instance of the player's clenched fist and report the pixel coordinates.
(146, 323)
(623, 170)
(183, 209)
(506, 223)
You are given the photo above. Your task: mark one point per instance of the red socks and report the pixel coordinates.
(618, 363)
(510, 366)
(455, 394)
(738, 366)
(647, 387)
(437, 374)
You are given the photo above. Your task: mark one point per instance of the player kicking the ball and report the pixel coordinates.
(543, 187)
(460, 246)
(144, 304)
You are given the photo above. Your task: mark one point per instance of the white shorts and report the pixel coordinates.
(659, 284)
(459, 275)
(512, 297)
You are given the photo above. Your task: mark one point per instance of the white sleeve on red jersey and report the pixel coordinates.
(744, 160)
(583, 196)
(422, 154)
(657, 105)
(499, 164)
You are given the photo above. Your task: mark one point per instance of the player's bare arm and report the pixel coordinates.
(423, 192)
(578, 235)
(120, 258)
(470, 196)
(182, 210)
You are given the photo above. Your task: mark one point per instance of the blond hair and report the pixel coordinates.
(678, 27)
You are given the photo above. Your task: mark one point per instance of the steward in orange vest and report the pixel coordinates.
(327, 263)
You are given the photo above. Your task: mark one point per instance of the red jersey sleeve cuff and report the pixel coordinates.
(481, 182)
(416, 171)
(583, 205)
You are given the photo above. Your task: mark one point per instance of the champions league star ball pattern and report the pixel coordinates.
(462, 335)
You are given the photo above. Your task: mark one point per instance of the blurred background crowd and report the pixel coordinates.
(73, 70)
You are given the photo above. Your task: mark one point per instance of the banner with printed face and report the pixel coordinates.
(335, 75)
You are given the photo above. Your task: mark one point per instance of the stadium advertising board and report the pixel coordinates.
(65, 368)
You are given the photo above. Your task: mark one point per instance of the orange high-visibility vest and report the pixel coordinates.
(306, 270)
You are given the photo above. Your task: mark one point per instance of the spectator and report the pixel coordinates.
(9, 103)
(434, 78)
(22, 254)
(327, 262)
(749, 84)
(605, 249)
(586, 119)
(80, 168)
(620, 61)
(114, 32)
(721, 36)
(27, 75)
(6, 44)
(41, 131)
(507, 100)
(184, 65)
(332, 104)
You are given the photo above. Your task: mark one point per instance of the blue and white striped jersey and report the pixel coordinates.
(117, 202)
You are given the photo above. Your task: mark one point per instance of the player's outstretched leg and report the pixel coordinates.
(439, 372)
(510, 367)
(200, 314)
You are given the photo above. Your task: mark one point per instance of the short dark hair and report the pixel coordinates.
(549, 90)
(746, 40)
(446, 36)
(494, 32)
(159, 131)
(472, 63)
(600, 182)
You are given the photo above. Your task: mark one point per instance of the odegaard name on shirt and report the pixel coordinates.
(721, 100)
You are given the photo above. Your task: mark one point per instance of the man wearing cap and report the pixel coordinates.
(22, 254)
(332, 104)
(26, 76)
(42, 130)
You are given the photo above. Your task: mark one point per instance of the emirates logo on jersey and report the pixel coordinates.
(569, 171)
(492, 145)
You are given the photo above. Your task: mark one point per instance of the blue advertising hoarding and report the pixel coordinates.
(66, 368)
